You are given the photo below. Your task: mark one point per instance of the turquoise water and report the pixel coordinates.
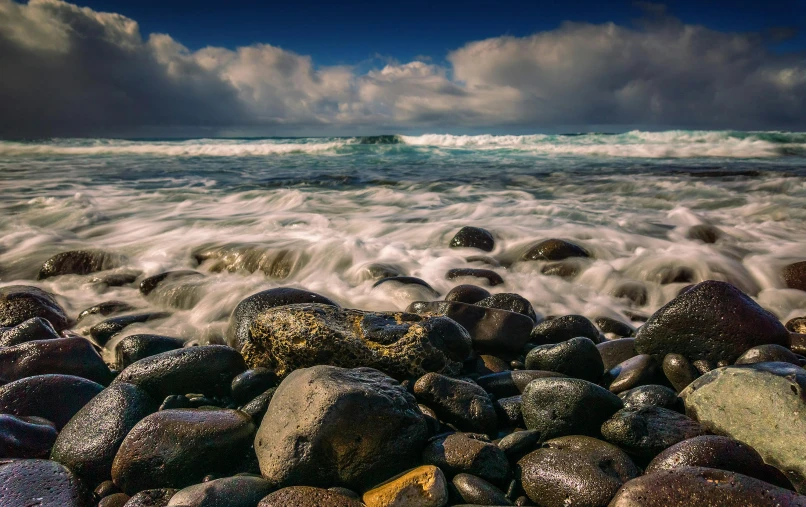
(330, 206)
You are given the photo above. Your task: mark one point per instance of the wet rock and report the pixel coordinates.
(333, 426)
(178, 448)
(152, 498)
(723, 453)
(306, 496)
(105, 309)
(407, 280)
(635, 371)
(473, 237)
(19, 303)
(475, 490)
(711, 487)
(423, 486)
(652, 396)
(576, 358)
(491, 276)
(103, 331)
(566, 406)
(31, 330)
(88, 443)
(41, 483)
(511, 303)
(512, 383)
(376, 271)
(647, 431)
(468, 453)
(714, 321)
(235, 491)
(105, 489)
(491, 329)
(510, 412)
(519, 443)
(114, 500)
(567, 269)
(554, 250)
(745, 402)
(485, 364)
(205, 369)
(67, 356)
(470, 294)
(769, 353)
(796, 325)
(564, 328)
(704, 232)
(463, 404)
(151, 283)
(275, 263)
(25, 437)
(634, 292)
(252, 383)
(614, 352)
(614, 327)
(116, 279)
(794, 275)
(56, 398)
(79, 262)
(402, 345)
(133, 348)
(259, 405)
(679, 371)
(575, 470)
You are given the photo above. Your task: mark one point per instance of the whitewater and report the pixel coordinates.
(314, 213)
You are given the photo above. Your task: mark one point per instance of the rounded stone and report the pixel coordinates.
(258, 406)
(65, 356)
(769, 353)
(576, 358)
(511, 303)
(41, 483)
(567, 269)
(132, 348)
(78, 262)
(512, 383)
(519, 443)
(476, 491)
(473, 237)
(652, 395)
(56, 398)
(633, 372)
(152, 282)
(103, 331)
(19, 303)
(614, 352)
(158, 497)
(466, 405)
(679, 371)
(307, 496)
(617, 328)
(238, 491)
(468, 453)
(706, 233)
(34, 329)
(105, 309)
(794, 275)
(564, 328)
(554, 250)
(646, 431)
(422, 486)
(252, 383)
(491, 276)
(407, 280)
(114, 500)
(510, 412)
(470, 294)
(25, 437)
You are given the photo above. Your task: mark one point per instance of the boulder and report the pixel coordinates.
(41, 483)
(706, 233)
(79, 262)
(278, 263)
(66, 356)
(422, 486)
(473, 237)
(56, 398)
(554, 250)
(19, 303)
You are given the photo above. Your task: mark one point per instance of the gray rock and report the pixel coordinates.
(576, 358)
(19, 303)
(66, 356)
(509, 302)
(132, 348)
(647, 431)
(463, 404)
(468, 453)
(228, 492)
(41, 483)
(519, 443)
(473, 237)
(278, 263)
(56, 398)
(554, 250)
(564, 328)
(31, 330)
(79, 262)
(25, 437)
(510, 412)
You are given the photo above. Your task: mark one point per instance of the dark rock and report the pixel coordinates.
(376, 271)
(723, 453)
(275, 263)
(652, 396)
(468, 453)
(252, 383)
(175, 401)
(333, 426)
(403, 345)
(512, 383)
(614, 327)
(473, 237)
(635, 371)
(152, 498)
(796, 325)
(477, 491)
(103, 331)
(259, 405)
(486, 364)
(747, 402)
(345, 491)
(794, 275)
(714, 321)
(710, 487)
(490, 329)
(407, 280)
(769, 353)
(491, 276)
(575, 470)
(31, 330)
(105, 489)
(114, 500)
(78, 262)
(116, 279)
(510, 412)
(56, 398)
(41, 483)
(463, 404)
(566, 406)
(577, 358)
(205, 369)
(178, 448)
(679, 371)
(614, 352)
(470, 294)
(554, 250)
(105, 309)
(647, 431)
(151, 283)
(306, 496)
(19, 303)
(67, 356)
(567, 269)
(519, 443)
(88, 443)
(235, 491)
(634, 292)
(564, 328)
(704, 232)
(133, 348)
(511, 303)
(25, 437)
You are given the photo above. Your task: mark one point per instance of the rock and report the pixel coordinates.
(56, 398)
(512, 383)
(614, 352)
(178, 448)
(564, 328)
(477, 491)
(25, 437)
(407, 280)
(41, 483)
(652, 396)
(576, 358)
(485, 364)
(67, 356)
(151, 283)
(635, 371)
(745, 402)
(252, 383)
(567, 269)
(510, 412)
(490, 329)
(330, 426)
(711, 487)
(511, 303)
(135, 347)
(704, 232)
(19, 303)
(468, 453)
(34, 329)
(116, 279)
(105, 309)
(306, 496)
(473, 237)
(207, 369)
(566, 406)
(152, 498)
(376, 271)
(402, 345)
(105, 489)
(794, 275)
(114, 500)
(259, 405)
(79, 262)
(714, 322)
(275, 263)
(575, 470)
(470, 294)
(723, 453)
(797, 325)
(422, 486)
(103, 331)
(491, 276)
(554, 250)
(646, 431)
(88, 443)
(769, 353)
(614, 327)
(464, 404)
(632, 291)
(519, 443)
(679, 371)
(235, 491)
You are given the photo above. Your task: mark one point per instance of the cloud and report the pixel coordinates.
(69, 70)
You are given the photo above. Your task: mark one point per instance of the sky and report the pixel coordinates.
(202, 68)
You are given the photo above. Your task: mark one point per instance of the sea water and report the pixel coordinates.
(329, 207)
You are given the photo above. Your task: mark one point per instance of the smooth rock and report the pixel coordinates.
(652, 395)
(252, 383)
(378, 270)
(465, 405)
(554, 250)
(769, 353)
(794, 275)
(19, 303)
(424, 486)
(306, 496)
(116, 279)
(78, 262)
(41, 483)
(257, 407)
(158, 497)
(564, 328)
(567, 269)
(617, 328)
(407, 280)
(576, 358)
(519, 443)
(65, 356)
(25, 437)
(468, 453)
(645, 432)
(473, 237)
(105, 309)
(470, 294)
(152, 282)
(132, 348)
(114, 500)
(679, 371)
(486, 364)
(475, 490)
(56, 398)
(491, 276)
(35, 329)
(103, 331)
(511, 303)
(636, 371)
(614, 352)
(228, 492)
(510, 412)
(512, 383)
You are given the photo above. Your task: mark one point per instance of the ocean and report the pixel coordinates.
(313, 213)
